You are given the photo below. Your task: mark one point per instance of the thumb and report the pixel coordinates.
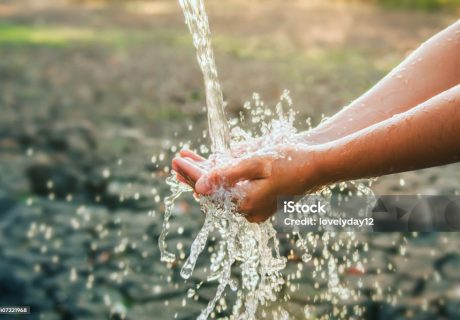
(247, 169)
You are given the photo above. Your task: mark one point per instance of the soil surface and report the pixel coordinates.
(91, 93)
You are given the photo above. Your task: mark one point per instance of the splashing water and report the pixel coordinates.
(254, 247)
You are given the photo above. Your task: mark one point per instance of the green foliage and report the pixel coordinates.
(50, 35)
(30, 34)
(427, 5)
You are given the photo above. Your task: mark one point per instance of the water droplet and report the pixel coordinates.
(106, 173)
(191, 292)
(73, 275)
(306, 257)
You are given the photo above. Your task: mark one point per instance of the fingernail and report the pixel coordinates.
(203, 186)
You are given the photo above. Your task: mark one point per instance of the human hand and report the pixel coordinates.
(187, 167)
(260, 177)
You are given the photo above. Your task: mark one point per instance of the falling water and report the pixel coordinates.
(252, 247)
(197, 21)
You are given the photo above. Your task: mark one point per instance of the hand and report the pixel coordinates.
(187, 167)
(261, 178)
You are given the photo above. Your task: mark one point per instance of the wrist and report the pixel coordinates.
(326, 164)
(311, 172)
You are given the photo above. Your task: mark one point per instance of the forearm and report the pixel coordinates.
(431, 69)
(425, 136)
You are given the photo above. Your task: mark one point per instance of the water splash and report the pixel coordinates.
(176, 190)
(254, 247)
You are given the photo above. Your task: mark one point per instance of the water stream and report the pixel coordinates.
(254, 248)
(197, 22)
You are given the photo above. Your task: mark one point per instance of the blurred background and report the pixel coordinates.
(94, 95)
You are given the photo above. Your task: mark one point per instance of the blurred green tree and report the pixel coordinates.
(428, 5)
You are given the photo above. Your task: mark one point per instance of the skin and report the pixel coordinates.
(431, 69)
(409, 120)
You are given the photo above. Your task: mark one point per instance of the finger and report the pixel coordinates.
(187, 169)
(181, 178)
(247, 169)
(185, 179)
(190, 154)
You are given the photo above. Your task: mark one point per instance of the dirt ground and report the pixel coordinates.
(89, 92)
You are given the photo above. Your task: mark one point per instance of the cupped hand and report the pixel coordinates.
(261, 178)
